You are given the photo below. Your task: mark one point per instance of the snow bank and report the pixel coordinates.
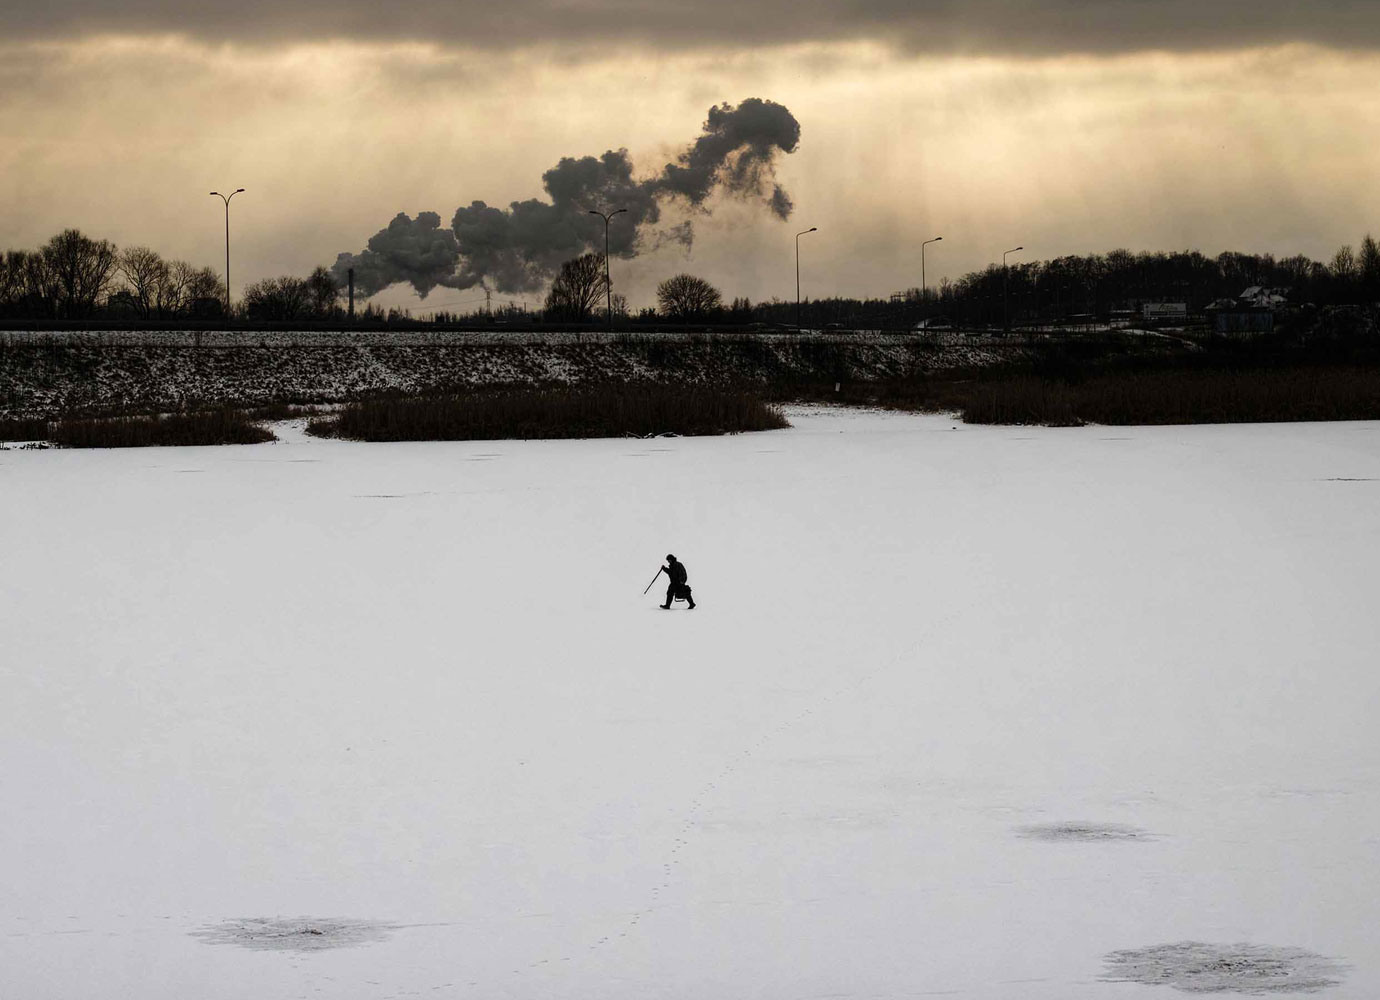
(51, 374)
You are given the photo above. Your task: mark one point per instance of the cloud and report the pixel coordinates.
(1035, 27)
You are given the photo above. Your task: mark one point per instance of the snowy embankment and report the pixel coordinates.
(48, 375)
(985, 712)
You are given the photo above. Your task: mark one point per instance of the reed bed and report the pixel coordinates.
(1176, 397)
(225, 426)
(567, 412)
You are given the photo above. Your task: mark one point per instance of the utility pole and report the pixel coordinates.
(226, 199)
(351, 274)
(608, 282)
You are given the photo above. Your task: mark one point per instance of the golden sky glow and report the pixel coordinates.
(1256, 150)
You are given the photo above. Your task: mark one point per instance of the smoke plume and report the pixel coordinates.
(520, 247)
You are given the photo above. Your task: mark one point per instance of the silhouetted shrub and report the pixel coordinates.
(578, 412)
(210, 427)
(20, 429)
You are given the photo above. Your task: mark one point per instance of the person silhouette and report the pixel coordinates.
(675, 572)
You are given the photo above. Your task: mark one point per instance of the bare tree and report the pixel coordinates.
(686, 297)
(27, 284)
(40, 284)
(1369, 267)
(577, 289)
(204, 293)
(280, 298)
(12, 278)
(323, 292)
(82, 270)
(171, 296)
(145, 273)
(1343, 264)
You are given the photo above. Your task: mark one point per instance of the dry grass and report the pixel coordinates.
(1178, 397)
(1164, 395)
(23, 429)
(225, 426)
(578, 412)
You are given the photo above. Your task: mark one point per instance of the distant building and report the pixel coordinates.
(1175, 313)
(1231, 318)
(1251, 313)
(1260, 297)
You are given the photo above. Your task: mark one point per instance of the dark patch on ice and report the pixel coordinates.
(1195, 967)
(1347, 479)
(1082, 832)
(295, 933)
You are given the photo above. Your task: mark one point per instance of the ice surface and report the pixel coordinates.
(416, 688)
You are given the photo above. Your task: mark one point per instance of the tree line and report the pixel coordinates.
(1046, 291)
(1096, 284)
(75, 277)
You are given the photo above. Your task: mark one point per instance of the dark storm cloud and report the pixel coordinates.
(518, 248)
(998, 26)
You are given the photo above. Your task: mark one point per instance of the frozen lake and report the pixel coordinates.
(962, 711)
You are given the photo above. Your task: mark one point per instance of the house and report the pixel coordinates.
(1251, 313)
(1235, 318)
(1260, 297)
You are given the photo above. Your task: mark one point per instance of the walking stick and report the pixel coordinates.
(649, 586)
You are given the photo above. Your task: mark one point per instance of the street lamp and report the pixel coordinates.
(923, 286)
(608, 283)
(1005, 319)
(812, 229)
(226, 198)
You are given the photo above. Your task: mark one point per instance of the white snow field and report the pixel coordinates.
(962, 711)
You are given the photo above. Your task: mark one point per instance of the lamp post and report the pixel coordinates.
(1005, 317)
(608, 283)
(923, 286)
(812, 229)
(226, 198)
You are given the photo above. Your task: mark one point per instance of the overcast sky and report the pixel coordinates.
(1064, 125)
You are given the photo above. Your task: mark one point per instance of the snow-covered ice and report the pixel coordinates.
(962, 711)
